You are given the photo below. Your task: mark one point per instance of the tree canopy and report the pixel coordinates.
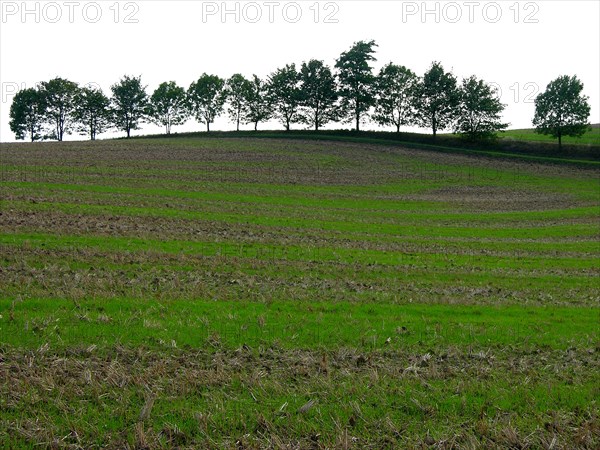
(168, 106)
(561, 110)
(238, 88)
(207, 98)
(318, 93)
(92, 111)
(356, 81)
(258, 104)
(27, 114)
(396, 91)
(437, 98)
(285, 95)
(313, 94)
(479, 110)
(59, 99)
(129, 101)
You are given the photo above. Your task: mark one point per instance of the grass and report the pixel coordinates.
(202, 292)
(591, 137)
(532, 147)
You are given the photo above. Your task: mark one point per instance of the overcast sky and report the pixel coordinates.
(519, 46)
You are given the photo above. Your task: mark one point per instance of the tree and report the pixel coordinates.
(168, 106)
(92, 112)
(479, 110)
(561, 110)
(258, 104)
(318, 94)
(356, 81)
(237, 88)
(129, 101)
(27, 114)
(396, 88)
(437, 98)
(59, 95)
(207, 98)
(284, 94)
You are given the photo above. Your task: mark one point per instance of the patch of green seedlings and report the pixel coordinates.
(271, 293)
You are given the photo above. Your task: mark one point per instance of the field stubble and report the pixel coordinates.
(241, 293)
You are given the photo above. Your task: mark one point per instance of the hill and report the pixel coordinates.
(220, 292)
(445, 143)
(590, 138)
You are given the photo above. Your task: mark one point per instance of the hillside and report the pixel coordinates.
(221, 292)
(592, 137)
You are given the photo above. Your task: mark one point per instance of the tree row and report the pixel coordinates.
(312, 94)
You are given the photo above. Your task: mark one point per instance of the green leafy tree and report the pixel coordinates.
(561, 110)
(168, 106)
(318, 94)
(129, 101)
(27, 114)
(285, 95)
(59, 95)
(437, 99)
(237, 88)
(92, 112)
(479, 111)
(258, 104)
(207, 98)
(396, 90)
(356, 81)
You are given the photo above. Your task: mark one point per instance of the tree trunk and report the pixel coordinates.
(128, 132)
(559, 142)
(357, 122)
(397, 128)
(207, 126)
(238, 123)
(256, 126)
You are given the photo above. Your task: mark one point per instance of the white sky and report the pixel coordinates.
(175, 40)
